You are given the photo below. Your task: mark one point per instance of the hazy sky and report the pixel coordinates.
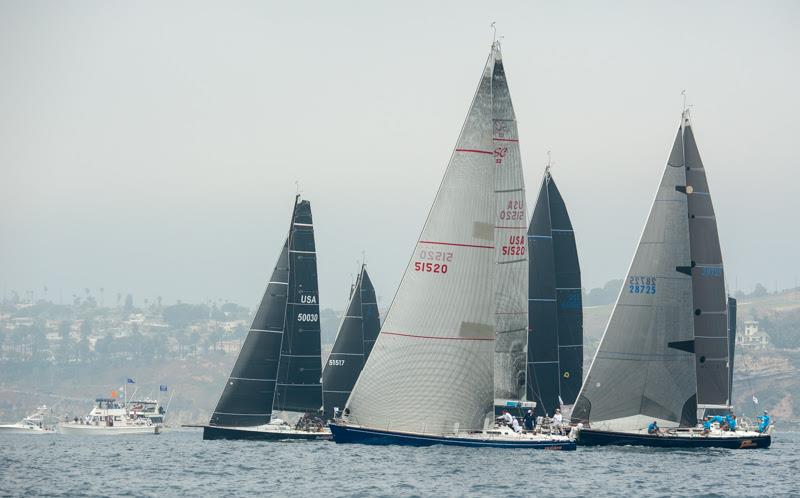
(152, 147)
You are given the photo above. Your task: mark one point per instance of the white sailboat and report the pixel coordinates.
(453, 343)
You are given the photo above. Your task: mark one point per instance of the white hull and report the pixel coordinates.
(23, 429)
(73, 429)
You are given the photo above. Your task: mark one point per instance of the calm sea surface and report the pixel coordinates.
(179, 463)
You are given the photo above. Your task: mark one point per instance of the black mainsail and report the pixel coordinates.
(279, 365)
(357, 333)
(555, 311)
(665, 349)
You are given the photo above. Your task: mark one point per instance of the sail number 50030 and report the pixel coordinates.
(307, 317)
(430, 267)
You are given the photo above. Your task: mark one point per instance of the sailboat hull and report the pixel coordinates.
(590, 437)
(245, 433)
(361, 435)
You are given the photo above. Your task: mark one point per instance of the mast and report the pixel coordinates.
(431, 368)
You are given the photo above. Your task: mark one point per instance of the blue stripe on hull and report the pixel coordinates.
(588, 437)
(344, 434)
(211, 432)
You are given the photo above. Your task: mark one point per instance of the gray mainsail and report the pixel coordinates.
(357, 332)
(511, 312)
(431, 368)
(299, 386)
(644, 368)
(246, 400)
(555, 310)
(708, 283)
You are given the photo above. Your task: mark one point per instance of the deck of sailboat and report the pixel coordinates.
(344, 433)
(681, 439)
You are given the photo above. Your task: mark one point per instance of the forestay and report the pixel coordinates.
(431, 369)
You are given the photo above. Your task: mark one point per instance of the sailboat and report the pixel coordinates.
(357, 333)
(438, 363)
(555, 305)
(279, 367)
(664, 354)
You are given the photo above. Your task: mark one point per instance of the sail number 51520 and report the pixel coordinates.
(430, 267)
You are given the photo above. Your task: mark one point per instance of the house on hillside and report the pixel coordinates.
(752, 337)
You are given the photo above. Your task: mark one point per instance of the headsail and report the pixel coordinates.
(299, 388)
(357, 332)
(555, 327)
(431, 369)
(247, 397)
(644, 369)
(708, 283)
(511, 314)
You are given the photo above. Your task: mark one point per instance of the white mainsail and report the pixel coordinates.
(431, 369)
(511, 276)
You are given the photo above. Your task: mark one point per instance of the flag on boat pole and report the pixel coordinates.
(131, 381)
(162, 388)
(755, 400)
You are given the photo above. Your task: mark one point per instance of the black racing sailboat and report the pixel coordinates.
(665, 352)
(357, 333)
(555, 307)
(279, 366)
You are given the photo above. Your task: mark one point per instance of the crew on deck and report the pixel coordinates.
(529, 421)
(557, 420)
(653, 428)
(765, 420)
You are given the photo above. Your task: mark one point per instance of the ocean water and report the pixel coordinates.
(180, 463)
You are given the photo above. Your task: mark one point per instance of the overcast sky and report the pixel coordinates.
(153, 147)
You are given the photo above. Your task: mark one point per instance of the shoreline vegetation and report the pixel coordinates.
(64, 355)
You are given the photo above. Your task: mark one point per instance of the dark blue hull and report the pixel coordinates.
(359, 435)
(589, 437)
(211, 432)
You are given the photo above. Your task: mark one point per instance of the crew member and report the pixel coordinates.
(765, 420)
(529, 421)
(507, 418)
(653, 428)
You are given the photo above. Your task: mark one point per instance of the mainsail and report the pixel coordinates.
(299, 386)
(357, 333)
(555, 327)
(708, 283)
(431, 369)
(278, 366)
(731, 345)
(511, 279)
(644, 369)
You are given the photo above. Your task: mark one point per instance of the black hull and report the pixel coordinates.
(358, 435)
(211, 432)
(589, 437)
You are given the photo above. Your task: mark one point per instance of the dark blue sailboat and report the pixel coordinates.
(279, 367)
(666, 351)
